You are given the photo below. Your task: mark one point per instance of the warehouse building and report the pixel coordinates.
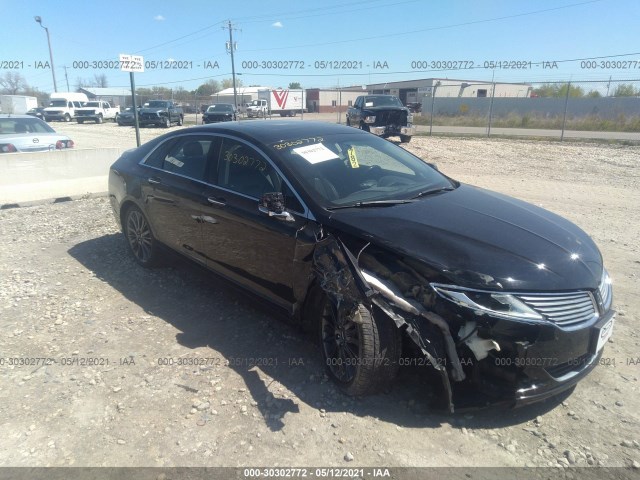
(332, 100)
(414, 91)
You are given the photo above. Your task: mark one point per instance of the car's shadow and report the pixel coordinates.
(258, 344)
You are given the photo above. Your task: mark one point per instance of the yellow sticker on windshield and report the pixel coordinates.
(353, 160)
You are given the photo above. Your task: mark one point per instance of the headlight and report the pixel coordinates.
(370, 119)
(489, 303)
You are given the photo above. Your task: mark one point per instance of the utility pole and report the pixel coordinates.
(53, 70)
(66, 77)
(231, 47)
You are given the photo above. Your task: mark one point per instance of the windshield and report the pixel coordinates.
(223, 107)
(157, 104)
(58, 103)
(344, 169)
(11, 126)
(382, 101)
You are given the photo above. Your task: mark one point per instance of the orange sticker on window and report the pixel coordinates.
(353, 160)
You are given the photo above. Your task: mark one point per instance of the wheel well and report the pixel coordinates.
(123, 211)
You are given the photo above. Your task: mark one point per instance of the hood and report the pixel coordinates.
(385, 108)
(481, 239)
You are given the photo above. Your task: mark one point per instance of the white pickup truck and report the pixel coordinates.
(96, 111)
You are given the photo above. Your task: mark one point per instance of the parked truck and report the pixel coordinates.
(96, 111)
(161, 113)
(17, 104)
(63, 105)
(286, 103)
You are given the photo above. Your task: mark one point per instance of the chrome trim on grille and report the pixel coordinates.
(563, 309)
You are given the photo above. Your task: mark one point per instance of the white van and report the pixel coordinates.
(62, 105)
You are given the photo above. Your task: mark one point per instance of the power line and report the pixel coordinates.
(429, 29)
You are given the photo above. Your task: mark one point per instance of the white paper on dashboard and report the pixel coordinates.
(315, 153)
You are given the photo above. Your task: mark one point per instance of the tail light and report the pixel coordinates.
(60, 144)
(7, 148)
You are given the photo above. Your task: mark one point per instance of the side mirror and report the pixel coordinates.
(272, 204)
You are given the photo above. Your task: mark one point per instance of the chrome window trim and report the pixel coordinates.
(306, 213)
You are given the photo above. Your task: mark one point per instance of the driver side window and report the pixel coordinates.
(244, 170)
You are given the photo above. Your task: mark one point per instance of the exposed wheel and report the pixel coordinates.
(405, 138)
(360, 351)
(99, 119)
(180, 121)
(167, 122)
(142, 243)
(67, 117)
(364, 126)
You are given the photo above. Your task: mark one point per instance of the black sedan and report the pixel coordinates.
(387, 260)
(126, 117)
(219, 112)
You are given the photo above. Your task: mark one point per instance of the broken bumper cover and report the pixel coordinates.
(551, 380)
(393, 130)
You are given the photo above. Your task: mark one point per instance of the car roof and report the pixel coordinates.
(272, 131)
(11, 115)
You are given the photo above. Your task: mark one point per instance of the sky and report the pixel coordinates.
(326, 43)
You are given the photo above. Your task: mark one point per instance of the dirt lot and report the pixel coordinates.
(69, 292)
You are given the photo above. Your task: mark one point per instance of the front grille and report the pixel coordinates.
(391, 118)
(563, 309)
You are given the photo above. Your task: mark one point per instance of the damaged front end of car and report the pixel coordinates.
(487, 346)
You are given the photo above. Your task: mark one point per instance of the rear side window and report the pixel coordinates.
(186, 156)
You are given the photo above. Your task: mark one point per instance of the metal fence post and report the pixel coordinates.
(493, 94)
(433, 100)
(564, 117)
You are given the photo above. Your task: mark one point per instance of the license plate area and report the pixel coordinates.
(603, 333)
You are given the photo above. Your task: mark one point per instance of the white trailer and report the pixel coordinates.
(286, 103)
(17, 104)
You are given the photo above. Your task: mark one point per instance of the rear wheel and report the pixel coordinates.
(180, 121)
(142, 244)
(360, 351)
(80, 121)
(99, 119)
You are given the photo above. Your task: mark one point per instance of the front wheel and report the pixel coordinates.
(360, 351)
(167, 122)
(364, 126)
(405, 138)
(142, 244)
(67, 117)
(99, 119)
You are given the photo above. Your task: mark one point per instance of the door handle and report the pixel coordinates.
(215, 201)
(153, 181)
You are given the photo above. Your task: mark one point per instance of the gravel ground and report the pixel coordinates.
(245, 388)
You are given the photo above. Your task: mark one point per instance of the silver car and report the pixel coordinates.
(24, 133)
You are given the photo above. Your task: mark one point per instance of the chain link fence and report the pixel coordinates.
(595, 106)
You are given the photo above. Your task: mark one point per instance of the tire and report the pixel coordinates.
(99, 119)
(167, 123)
(405, 138)
(180, 121)
(361, 358)
(348, 122)
(80, 121)
(364, 126)
(67, 117)
(140, 240)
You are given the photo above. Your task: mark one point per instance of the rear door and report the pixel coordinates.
(173, 191)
